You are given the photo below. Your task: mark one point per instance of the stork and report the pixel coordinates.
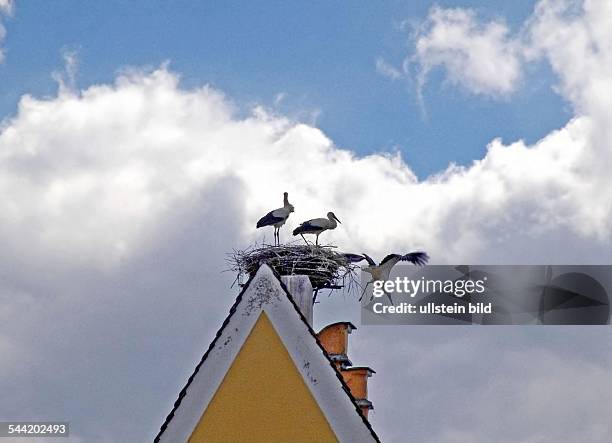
(277, 217)
(381, 271)
(316, 226)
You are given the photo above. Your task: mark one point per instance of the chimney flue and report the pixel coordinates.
(356, 378)
(334, 339)
(300, 288)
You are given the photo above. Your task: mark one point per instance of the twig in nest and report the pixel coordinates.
(326, 267)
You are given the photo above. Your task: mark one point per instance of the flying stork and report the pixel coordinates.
(381, 271)
(277, 217)
(316, 226)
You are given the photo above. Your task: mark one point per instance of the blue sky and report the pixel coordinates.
(320, 55)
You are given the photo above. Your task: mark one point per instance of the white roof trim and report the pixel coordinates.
(266, 293)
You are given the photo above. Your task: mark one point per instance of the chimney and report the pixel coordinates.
(334, 339)
(300, 288)
(357, 380)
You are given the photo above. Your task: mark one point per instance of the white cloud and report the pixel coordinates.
(6, 8)
(2, 34)
(119, 202)
(507, 385)
(387, 70)
(575, 39)
(89, 177)
(66, 79)
(480, 57)
(484, 58)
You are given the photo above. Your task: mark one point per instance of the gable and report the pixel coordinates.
(263, 397)
(265, 293)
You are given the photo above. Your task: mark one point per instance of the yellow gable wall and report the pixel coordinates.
(263, 398)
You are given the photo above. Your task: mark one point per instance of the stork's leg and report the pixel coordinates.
(364, 289)
(276, 239)
(317, 240)
(389, 297)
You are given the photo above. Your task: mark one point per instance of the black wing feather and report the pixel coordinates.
(369, 259)
(418, 258)
(305, 228)
(353, 258)
(389, 257)
(268, 220)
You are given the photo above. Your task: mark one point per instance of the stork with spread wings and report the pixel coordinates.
(381, 271)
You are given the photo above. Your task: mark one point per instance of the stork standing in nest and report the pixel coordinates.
(316, 226)
(277, 218)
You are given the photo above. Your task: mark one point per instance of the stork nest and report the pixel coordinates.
(326, 267)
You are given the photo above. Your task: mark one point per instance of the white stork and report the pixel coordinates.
(381, 271)
(316, 226)
(277, 218)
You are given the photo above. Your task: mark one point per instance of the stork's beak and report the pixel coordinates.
(337, 219)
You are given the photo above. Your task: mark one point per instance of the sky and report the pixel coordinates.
(314, 62)
(140, 142)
